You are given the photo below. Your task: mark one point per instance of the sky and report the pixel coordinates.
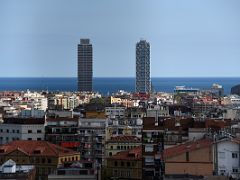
(199, 38)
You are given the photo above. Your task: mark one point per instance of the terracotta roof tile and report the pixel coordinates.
(186, 147)
(36, 148)
(133, 154)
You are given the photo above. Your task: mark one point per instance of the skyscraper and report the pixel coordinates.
(143, 84)
(85, 72)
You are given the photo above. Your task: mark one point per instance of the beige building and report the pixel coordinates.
(121, 143)
(125, 165)
(194, 158)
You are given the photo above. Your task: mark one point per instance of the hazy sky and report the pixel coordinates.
(187, 37)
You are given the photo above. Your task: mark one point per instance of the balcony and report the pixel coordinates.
(152, 140)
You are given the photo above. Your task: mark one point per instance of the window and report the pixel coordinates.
(187, 156)
(128, 164)
(221, 155)
(149, 160)
(30, 139)
(110, 153)
(128, 174)
(115, 173)
(29, 131)
(39, 139)
(17, 131)
(234, 155)
(43, 160)
(122, 163)
(7, 130)
(49, 161)
(13, 131)
(149, 173)
(111, 147)
(235, 170)
(148, 148)
(118, 147)
(115, 163)
(39, 131)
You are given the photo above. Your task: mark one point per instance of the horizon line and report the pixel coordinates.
(123, 77)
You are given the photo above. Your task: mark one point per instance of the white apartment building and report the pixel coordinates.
(34, 113)
(115, 112)
(227, 158)
(36, 100)
(22, 129)
(158, 111)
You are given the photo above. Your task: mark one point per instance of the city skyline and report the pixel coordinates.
(188, 38)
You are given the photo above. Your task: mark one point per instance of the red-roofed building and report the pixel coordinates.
(194, 158)
(125, 164)
(42, 154)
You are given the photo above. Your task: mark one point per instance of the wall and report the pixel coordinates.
(200, 163)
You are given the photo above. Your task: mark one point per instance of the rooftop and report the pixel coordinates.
(24, 120)
(35, 148)
(133, 154)
(186, 147)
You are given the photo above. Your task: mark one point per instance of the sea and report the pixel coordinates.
(108, 86)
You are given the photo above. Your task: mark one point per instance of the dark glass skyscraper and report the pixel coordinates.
(85, 64)
(143, 84)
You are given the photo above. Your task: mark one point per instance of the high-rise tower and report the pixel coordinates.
(85, 64)
(143, 84)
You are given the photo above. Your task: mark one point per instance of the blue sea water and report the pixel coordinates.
(110, 85)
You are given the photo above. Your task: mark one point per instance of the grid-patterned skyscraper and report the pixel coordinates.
(85, 64)
(143, 84)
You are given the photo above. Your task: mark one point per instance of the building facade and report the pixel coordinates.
(92, 138)
(22, 129)
(227, 161)
(125, 165)
(152, 149)
(85, 71)
(121, 143)
(143, 84)
(193, 158)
